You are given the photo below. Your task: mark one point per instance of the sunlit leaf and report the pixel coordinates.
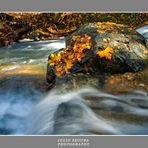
(106, 53)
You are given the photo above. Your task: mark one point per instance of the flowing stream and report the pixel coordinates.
(27, 108)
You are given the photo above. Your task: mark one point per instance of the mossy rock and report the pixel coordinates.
(99, 48)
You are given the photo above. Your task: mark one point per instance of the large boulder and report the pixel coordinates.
(98, 48)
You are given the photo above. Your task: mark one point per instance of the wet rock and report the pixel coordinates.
(127, 82)
(99, 48)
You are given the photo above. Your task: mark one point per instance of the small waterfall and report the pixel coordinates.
(67, 114)
(71, 113)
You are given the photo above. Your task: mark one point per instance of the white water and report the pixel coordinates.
(67, 114)
(70, 113)
(17, 94)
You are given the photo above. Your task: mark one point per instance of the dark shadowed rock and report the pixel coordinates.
(98, 48)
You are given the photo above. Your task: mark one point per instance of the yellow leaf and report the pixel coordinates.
(52, 55)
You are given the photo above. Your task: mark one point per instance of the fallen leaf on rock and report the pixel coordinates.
(68, 56)
(106, 53)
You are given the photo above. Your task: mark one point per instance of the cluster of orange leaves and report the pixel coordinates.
(63, 61)
(103, 27)
(106, 53)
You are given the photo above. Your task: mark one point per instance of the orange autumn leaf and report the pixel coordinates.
(69, 64)
(79, 56)
(107, 53)
(100, 54)
(59, 70)
(108, 57)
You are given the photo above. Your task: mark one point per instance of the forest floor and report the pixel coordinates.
(43, 26)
